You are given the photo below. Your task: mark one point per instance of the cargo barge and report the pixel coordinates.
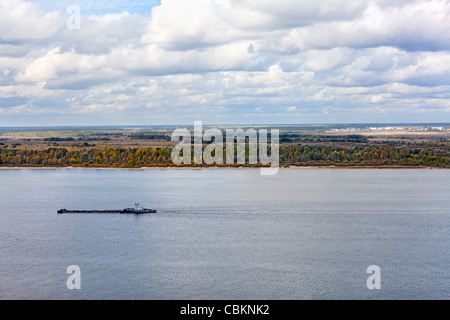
(137, 210)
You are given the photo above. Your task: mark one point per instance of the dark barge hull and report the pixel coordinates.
(61, 211)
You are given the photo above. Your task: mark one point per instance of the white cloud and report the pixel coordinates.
(184, 25)
(24, 21)
(318, 60)
(228, 57)
(55, 64)
(100, 34)
(419, 25)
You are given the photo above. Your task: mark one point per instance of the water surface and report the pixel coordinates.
(226, 234)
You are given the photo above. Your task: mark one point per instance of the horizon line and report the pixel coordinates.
(228, 124)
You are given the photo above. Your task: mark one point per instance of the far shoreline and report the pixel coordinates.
(221, 168)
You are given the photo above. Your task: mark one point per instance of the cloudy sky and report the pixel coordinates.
(223, 62)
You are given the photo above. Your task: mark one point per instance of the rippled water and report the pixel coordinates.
(226, 234)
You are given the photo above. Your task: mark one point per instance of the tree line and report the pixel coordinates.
(306, 155)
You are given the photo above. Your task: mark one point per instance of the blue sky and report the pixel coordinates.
(224, 62)
(96, 7)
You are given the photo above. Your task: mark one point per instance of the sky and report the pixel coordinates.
(223, 62)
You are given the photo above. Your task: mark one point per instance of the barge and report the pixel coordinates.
(137, 210)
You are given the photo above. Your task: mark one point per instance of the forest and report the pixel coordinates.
(305, 155)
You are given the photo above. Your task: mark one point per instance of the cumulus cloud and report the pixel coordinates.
(227, 60)
(25, 21)
(100, 34)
